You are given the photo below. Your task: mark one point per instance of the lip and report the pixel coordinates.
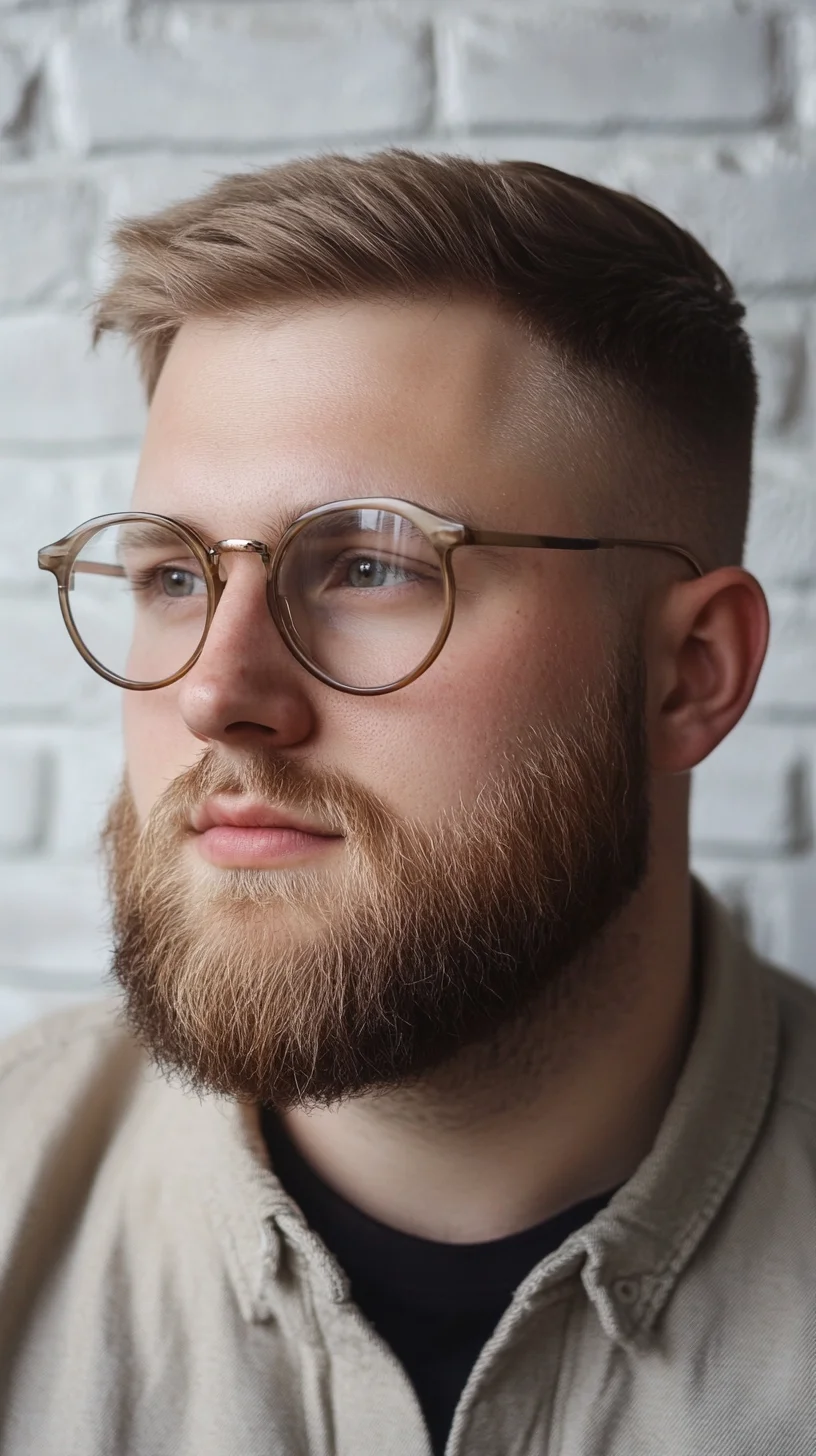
(244, 813)
(233, 833)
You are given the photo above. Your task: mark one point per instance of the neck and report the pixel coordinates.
(547, 1114)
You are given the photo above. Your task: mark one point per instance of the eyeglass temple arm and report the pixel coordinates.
(580, 543)
(98, 568)
(49, 561)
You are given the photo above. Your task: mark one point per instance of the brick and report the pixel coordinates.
(784, 909)
(31, 5)
(759, 225)
(140, 183)
(23, 788)
(12, 85)
(778, 330)
(781, 545)
(779, 356)
(40, 669)
(792, 893)
(88, 770)
(759, 899)
(43, 677)
(104, 485)
(55, 390)
(748, 796)
(48, 229)
(605, 71)
(38, 503)
(732, 882)
(42, 500)
(804, 37)
(329, 73)
(787, 683)
(54, 918)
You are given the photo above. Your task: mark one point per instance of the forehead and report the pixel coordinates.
(448, 404)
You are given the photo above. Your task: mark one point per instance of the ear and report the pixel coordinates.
(706, 642)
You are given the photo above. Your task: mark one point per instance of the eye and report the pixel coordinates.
(368, 571)
(175, 582)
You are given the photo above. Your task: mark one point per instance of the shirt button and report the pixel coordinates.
(627, 1290)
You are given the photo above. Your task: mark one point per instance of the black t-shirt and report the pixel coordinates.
(435, 1304)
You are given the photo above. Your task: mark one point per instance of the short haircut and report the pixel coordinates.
(635, 308)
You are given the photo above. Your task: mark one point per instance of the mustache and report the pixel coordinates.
(327, 795)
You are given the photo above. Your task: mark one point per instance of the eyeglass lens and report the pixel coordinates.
(360, 593)
(138, 599)
(364, 593)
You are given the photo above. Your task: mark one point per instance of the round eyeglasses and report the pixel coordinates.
(361, 591)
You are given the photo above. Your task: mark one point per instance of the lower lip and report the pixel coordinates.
(233, 848)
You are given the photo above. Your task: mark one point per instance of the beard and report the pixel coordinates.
(304, 987)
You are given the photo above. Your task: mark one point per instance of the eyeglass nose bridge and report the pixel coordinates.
(238, 543)
(279, 607)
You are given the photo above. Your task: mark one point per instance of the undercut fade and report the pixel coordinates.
(636, 310)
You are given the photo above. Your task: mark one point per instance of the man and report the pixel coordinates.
(426, 605)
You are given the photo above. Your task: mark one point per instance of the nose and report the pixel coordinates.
(246, 689)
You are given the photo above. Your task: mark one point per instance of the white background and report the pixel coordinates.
(707, 109)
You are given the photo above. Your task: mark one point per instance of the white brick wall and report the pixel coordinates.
(565, 72)
(111, 106)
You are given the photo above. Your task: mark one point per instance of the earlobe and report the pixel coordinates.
(707, 646)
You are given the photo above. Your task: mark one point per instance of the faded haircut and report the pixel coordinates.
(639, 316)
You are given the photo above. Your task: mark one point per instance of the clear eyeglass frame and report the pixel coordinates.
(445, 536)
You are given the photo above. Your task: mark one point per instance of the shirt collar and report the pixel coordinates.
(634, 1251)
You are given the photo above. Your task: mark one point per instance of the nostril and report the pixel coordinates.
(241, 729)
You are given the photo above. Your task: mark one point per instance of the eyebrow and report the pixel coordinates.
(149, 533)
(445, 506)
(273, 527)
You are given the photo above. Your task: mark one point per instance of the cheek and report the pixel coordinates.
(158, 746)
(430, 746)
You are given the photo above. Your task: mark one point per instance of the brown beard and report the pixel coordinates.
(304, 987)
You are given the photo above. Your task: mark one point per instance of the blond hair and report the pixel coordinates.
(628, 298)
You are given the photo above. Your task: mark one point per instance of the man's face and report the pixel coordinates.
(511, 771)
(254, 422)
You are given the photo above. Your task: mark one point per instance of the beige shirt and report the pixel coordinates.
(160, 1295)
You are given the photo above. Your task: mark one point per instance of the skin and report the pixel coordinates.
(447, 404)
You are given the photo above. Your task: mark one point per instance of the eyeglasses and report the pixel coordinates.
(361, 591)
